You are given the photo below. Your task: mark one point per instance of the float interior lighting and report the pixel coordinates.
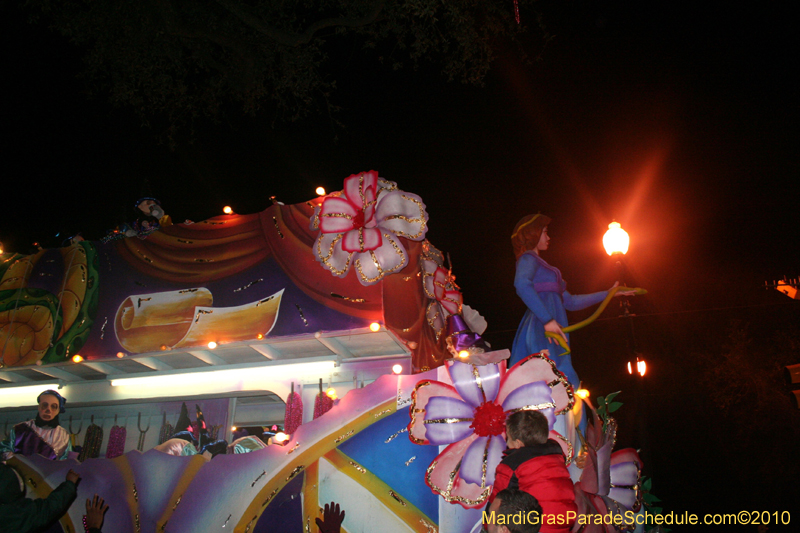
(375, 326)
(397, 368)
(320, 191)
(270, 372)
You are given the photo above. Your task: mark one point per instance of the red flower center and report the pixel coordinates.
(358, 220)
(489, 420)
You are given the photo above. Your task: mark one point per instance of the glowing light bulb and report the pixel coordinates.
(641, 367)
(120, 355)
(397, 368)
(212, 345)
(260, 336)
(463, 354)
(375, 326)
(331, 393)
(320, 191)
(228, 210)
(582, 394)
(630, 369)
(233, 428)
(77, 358)
(616, 240)
(280, 437)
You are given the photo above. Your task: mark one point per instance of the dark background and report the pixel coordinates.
(677, 119)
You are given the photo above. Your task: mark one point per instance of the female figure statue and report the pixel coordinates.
(544, 292)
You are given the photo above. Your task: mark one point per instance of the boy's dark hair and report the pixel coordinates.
(513, 502)
(531, 427)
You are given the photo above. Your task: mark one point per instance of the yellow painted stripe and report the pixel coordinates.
(307, 457)
(311, 496)
(131, 498)
(395, 502)
(195, 463)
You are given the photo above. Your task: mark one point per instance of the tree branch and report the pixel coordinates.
(289, 38)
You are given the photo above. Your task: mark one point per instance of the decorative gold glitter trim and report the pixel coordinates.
(570, 449)
(297, 445)
(340, 438)
(537, 407)
(358, 467)
(427, 525)
(378, 415)
(421, 220)
(394, 495)
(447, 493)
(277, 228)
(348, 299)
(447, 420)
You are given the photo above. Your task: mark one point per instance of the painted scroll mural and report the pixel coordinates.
(232, 278)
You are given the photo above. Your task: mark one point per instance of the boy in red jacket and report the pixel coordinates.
(535, 464)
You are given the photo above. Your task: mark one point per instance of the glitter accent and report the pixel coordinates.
(246, 286)
(358, 467)
(226, 521)
(139, 303)
(262, 474)
(394, 495)
(269, 498)
(348, 299)
(202, 312)
(277, 228)
(265, 300)
(570, 449)
(144, 256)
(185, 242)
(177, 502)
(428, 526)
(293, 473)
(186, 291)
(394, 436)
(411, 460)
(378, 415)
(340, 438)
(446, 493)
(447, 420)
(103, 328)
(537, 407)
(302, 316)
(324, 258)
(135, 493)
(297, 445)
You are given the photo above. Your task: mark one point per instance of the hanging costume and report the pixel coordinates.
(544, 292)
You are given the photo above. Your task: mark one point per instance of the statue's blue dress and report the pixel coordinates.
(544, 292)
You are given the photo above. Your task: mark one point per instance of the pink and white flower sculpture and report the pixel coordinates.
(469, 416)
(361, 226)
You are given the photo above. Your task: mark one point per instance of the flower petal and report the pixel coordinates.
(443, 477)
(423, 392)
(402, 213)
(447, 420)
(388, 258)
(336, 215)
(361, 190)
(475, 384)
(361, 240)
(538, 367)
(481, 460)
(532, 396)
(328, 250)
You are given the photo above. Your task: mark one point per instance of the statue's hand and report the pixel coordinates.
(555, 328)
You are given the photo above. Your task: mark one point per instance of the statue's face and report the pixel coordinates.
(544, 240)
(48, 407)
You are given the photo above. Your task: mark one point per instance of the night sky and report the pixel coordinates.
(678, 119)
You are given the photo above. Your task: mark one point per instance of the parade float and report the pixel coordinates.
(334, 320)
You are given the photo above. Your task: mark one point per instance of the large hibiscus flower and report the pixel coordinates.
(361, 226)
(469, 416)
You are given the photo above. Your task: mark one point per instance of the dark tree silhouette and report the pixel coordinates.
(179, 60)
